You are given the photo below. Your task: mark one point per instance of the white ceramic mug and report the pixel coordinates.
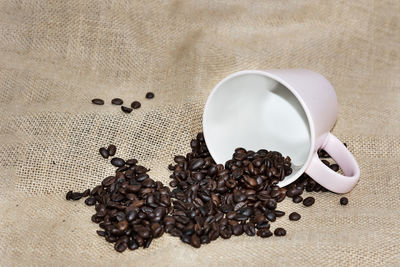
(291, 111)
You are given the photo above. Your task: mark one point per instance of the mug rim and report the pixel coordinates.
(306, 110)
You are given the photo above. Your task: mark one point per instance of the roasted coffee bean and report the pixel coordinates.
(126, 109)
(297, 199)
(271, 204)
(196, 164)
(135, 105)
(270, 215)
(101, 233)
(195, 241)
(264, 233)
(112, 149)
(147, 242)
(149, 95)
(237, 229)
(249, 229)
(344, 201)
(132, 244)
(294, 216)
(69, 195)
(280, 232)
(279, 213)
(103, 152)
(90, 201)
(120, 246)
(117, 162)
(334, 167)
(131, 162)
(117, 101)
(86, 193)
(308, 201)
(98, 101)
(76, 196)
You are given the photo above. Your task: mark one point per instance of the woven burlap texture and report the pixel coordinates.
(55, 56)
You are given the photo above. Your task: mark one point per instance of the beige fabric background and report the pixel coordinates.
(55, 56)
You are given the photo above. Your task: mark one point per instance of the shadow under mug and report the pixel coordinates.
(290, 111)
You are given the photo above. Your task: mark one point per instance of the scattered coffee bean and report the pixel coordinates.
(98, 101)
(136, 105)
(90, 201)
(112, 149)
(280, 232)
(308, 201)
(297, 199)
(126, 109)
(104, 153)
(334, 167)
(117, 101)
(344, 201)
(150, 95)
(294, 216)
(117, 162)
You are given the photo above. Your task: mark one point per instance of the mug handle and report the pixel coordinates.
(328, 178)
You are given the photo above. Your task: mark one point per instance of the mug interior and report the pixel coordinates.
(254, 111)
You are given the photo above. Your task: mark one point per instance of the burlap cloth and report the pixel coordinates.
(55, 56)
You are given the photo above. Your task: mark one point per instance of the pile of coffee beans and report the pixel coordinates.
(208, 201)
(119, 102)
(130, 206)
(212, 200)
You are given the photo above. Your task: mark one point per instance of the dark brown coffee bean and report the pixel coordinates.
(98, 101)
(117, 162)
(271, 216)
(101, 233)
(297, 199)
(264, 233)
(149, 95)
(126, 109)
(76, 196)
(196, 164)
(132, 245)
(326, 162)
(117, 101)
(69, 195)
(279, 213)
(334, 167)
(308, 201)
(108, 181)
(147, 242)
(112, 149)
(195, 241)
(344, 201)
(120, 246)
(294, 216)
(90, 201)
(249, 229)
(280, 232)
(135, 105)
(271, 204)
(122, 226)
(103, 152)
(237, 229)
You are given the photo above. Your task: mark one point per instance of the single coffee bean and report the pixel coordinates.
(132, 244)
(98, 101)
(264, 233)
(334, 167)
(103, 152)
(344, 201)
(195, 241)
(69, 195)
(117, 162)
(120, 246)
(76, 196)
(237, 229)
(147, 242)
(135, 105)
(101, 233)
(271, 216)
(271, 204)
(150, 95)
(117, 101)
(126, 109)
(297, 199)
(279, 213)
(196, 164)
(90, 201)
(308, 201)
(294, 216)
(280, 232)
(86, 193)
(112, 149)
